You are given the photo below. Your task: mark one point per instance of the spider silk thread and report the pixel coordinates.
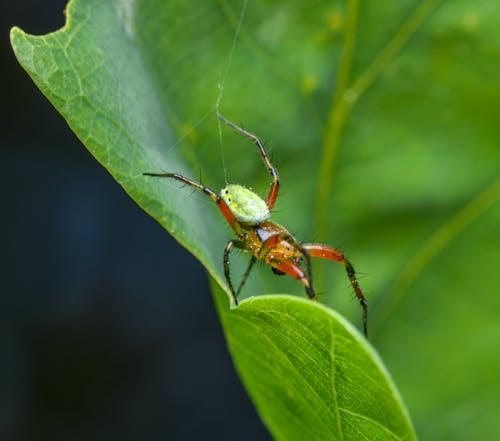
(222, 83)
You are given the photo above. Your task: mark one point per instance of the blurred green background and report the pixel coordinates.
(411, 186)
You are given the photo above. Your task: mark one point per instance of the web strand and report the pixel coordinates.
(222, 83)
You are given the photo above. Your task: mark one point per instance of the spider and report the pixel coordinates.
(248, 215)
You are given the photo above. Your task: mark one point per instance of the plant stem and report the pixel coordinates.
(345, 97)
(336, 118)
(433, 246)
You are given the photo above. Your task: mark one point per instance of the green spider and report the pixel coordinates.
(248, 215)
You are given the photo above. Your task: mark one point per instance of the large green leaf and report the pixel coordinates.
(311, 376)
(382, 117)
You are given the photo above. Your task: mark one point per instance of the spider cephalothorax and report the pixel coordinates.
(248, 215)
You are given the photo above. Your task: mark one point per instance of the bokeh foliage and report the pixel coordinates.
(382, 118)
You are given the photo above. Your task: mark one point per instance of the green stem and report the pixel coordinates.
(345, 97)
(401, 37)
(434, 245)
(336, 118)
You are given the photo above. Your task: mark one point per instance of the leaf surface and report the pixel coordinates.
(310, 373)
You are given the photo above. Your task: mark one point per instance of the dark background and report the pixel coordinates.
(97, 339)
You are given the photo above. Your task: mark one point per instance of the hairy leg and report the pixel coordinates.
(330, 253)
(227, 213)
(295, 271)
(230, 246)
(275, 185)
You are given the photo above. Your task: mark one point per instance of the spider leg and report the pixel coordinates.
(230, 218)
(326, 252)
(275, 185)
(247, 273)
(291, 268)
(295, 271)
(241, 246)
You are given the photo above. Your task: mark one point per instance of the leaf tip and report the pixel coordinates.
(17, 36)
(15, 33)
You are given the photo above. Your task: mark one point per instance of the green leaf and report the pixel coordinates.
(309, 372)
(382, 118)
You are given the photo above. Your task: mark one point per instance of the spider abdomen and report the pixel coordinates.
(248, 207)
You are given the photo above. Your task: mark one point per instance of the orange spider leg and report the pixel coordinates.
(326, 252)
(275, 185)
(294, 270)
(227, 213)
(273, 194)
